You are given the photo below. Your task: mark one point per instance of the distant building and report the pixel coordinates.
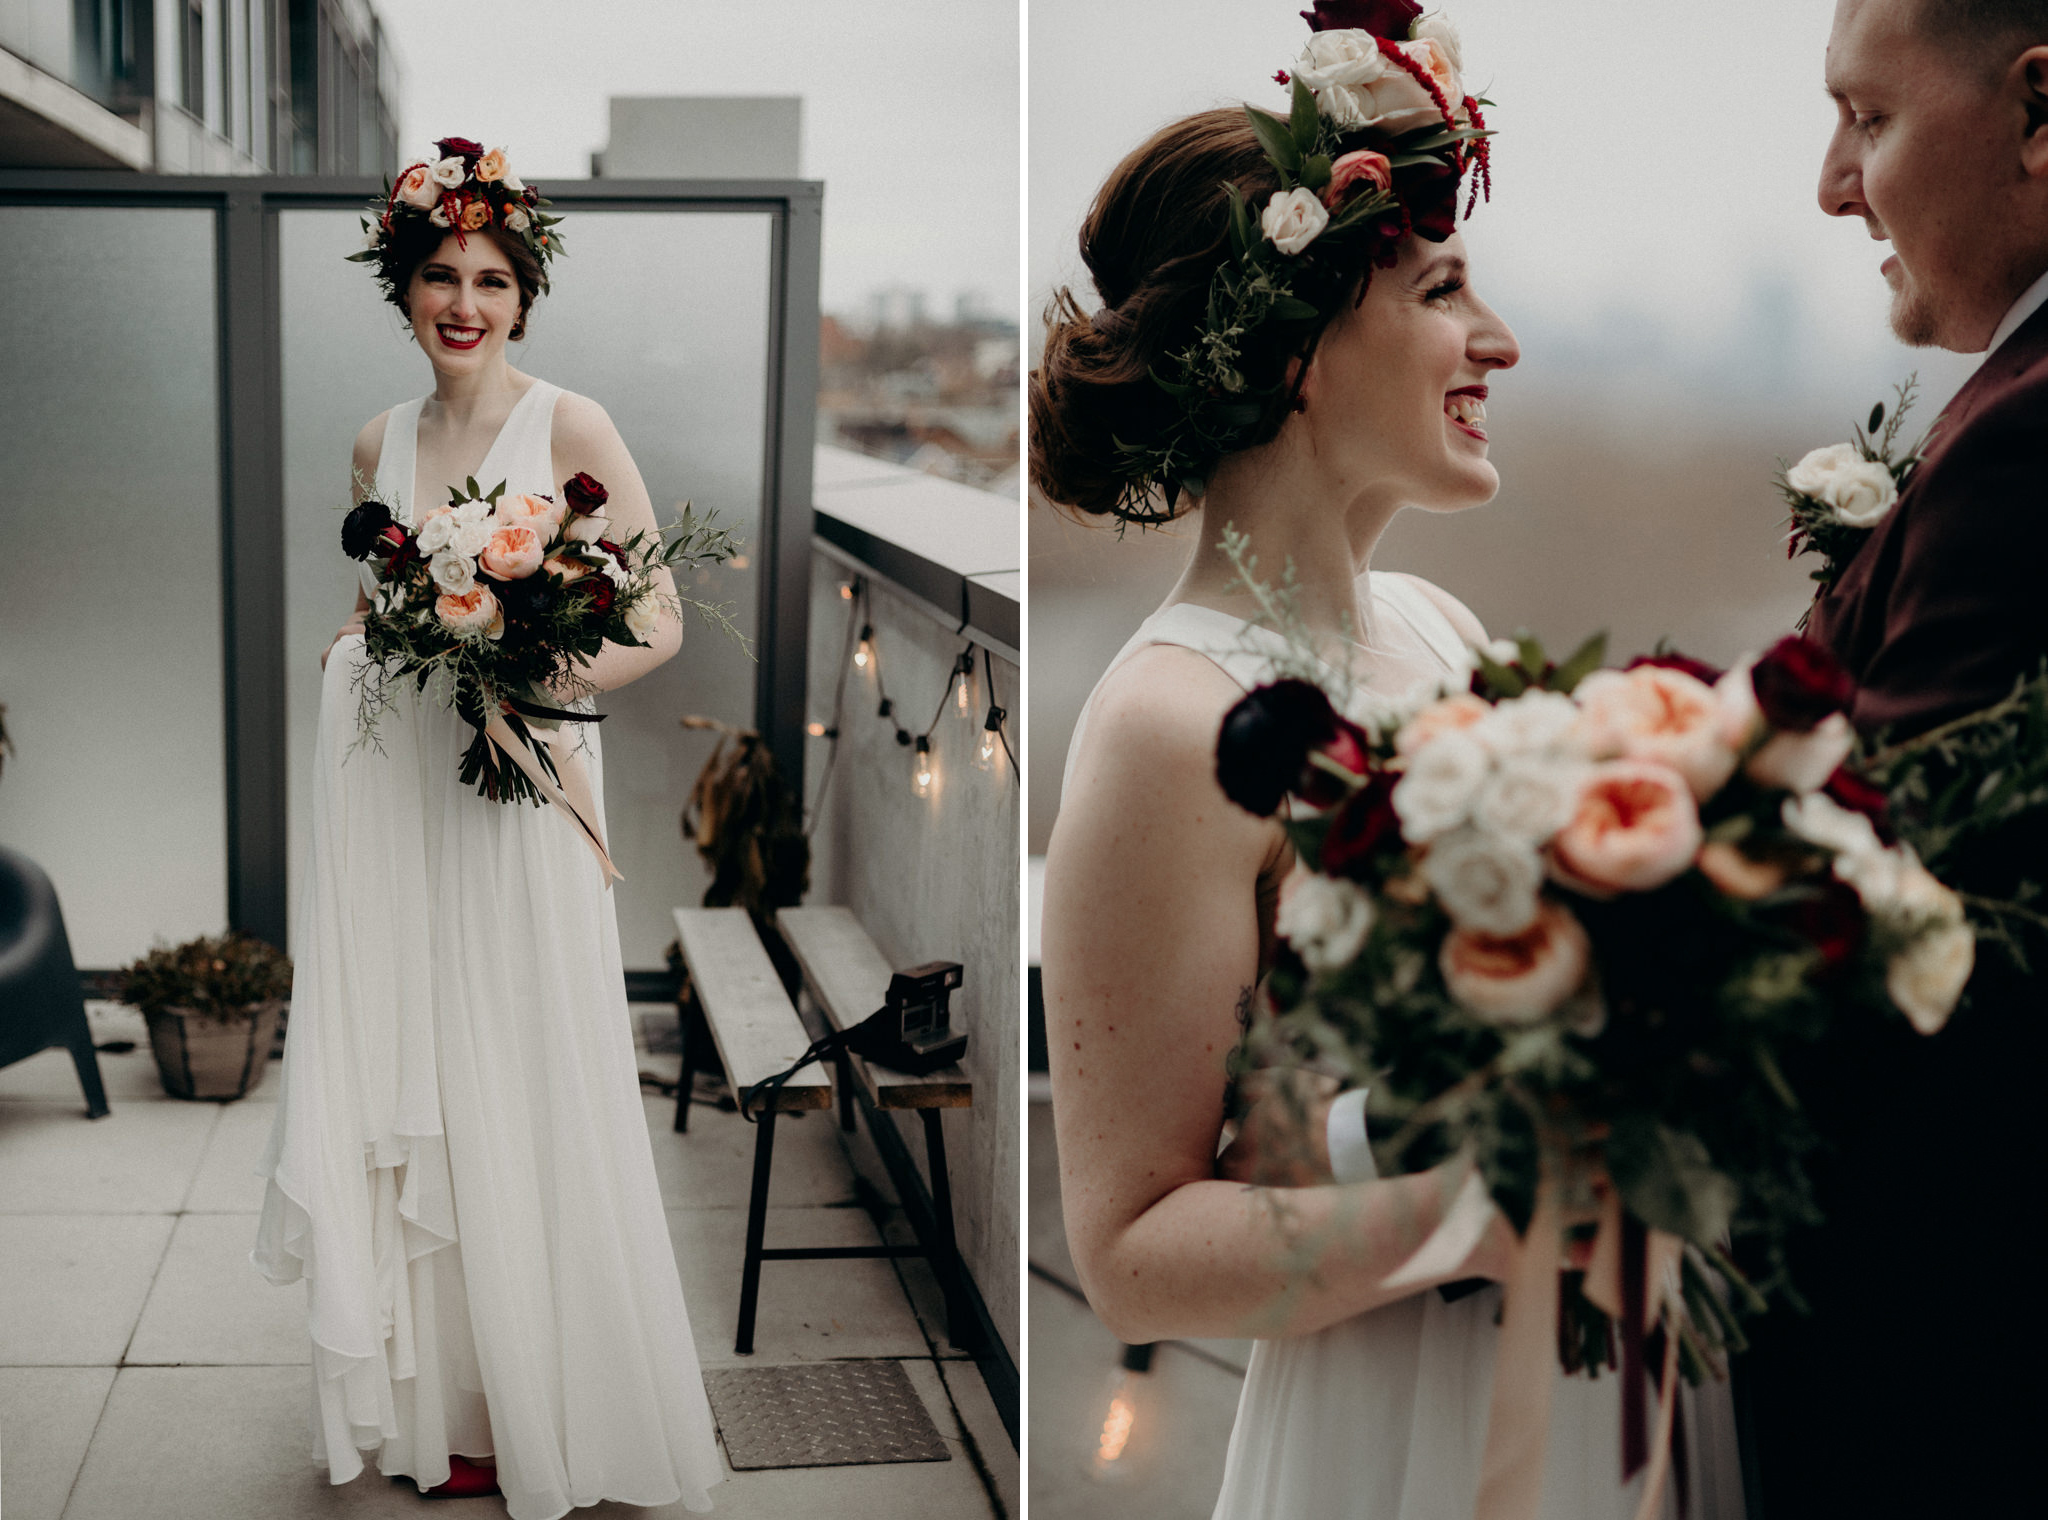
(197, 86)
(702, 137)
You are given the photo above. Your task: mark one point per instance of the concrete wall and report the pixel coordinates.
(931, 879)
(703, 137)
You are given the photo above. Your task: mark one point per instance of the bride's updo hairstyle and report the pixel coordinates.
(1222, 248)
(463, 191)
(1157, 233)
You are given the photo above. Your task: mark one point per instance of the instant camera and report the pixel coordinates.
(912, 1031)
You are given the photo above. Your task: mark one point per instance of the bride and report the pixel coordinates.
(459, 1167)
(1361, 1402)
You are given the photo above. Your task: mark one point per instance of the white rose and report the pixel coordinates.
(473, 511)
(1860, 491)
(1324, 918)
(1535, 722)
(617, 576)
(372, 235)
(1486, 882)
(1439, 29)
(1802, 763)
(470, 537)
(642, 618)
(1293, 219)
(1811, 475)
(513, 182)
(437, 532)
(588, 530)
(449, 173)
(1741, 719)
(439, 217)
(1927, 978)
(1441, 784)
(1529, 798)
(1820, 820)
(516, 219)
(453, 572)
(1346, 56)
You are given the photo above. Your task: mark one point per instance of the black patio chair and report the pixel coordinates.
(41, 1002)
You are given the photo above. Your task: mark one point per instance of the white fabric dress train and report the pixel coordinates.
(460, 1166)
(1383, 1417)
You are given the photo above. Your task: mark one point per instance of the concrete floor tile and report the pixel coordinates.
(49, 1077)
(712, 1166)
(74, 1285)
(226, 1182)
(209, 1306)
(887, 1491)
(47, 1415)
(228, 1443)
(809, 1310)
(140, 1159)
(977, 1411)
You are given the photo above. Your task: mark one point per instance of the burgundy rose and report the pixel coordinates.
(1860, 796)
(585, 494)
(1429, 194)
(363, 526)
(1262, 752)
(1799, 683)
(615, 551)
(1391, 19)
(1699, 670)
(602, 592)
(1365, 826)
(462, 147)
(1832, 921)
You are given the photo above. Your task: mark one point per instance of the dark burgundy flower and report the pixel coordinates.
(585, 494)
(1860, 796)
(1383, 18)
(402, 557)
(1799, 683)
(1699, 670)
(452, 147)
(362, 527)
(602, 592)
(1365, 826)
(527, 598)
(617, 553)
(1282, 78)
(1429, 194)
(1833, 921)
(1262, 751)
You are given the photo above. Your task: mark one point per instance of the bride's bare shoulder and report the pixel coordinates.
(370, 445)
(1461, 617)
(1158, 713)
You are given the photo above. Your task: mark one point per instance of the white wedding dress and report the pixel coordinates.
(1383, 1417)
(460, 1167)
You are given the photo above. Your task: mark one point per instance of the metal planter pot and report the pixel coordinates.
(213, 1060)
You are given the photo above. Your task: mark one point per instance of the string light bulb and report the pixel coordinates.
(815, 729)
(921, 767)
(846, 591)
(1127, 1418)
(963, 693)
(864, 654)
(988, 746)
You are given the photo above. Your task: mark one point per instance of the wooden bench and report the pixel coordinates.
(758, 1034)
(847, 978)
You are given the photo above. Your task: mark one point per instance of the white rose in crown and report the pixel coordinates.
(1325, 919)
(453, 572)
(1293, 219)
(1444, 34)
(1859, 491)
(1486, 882)
(449, 173)
(439, 217)
(1341, 56)
(1441, 784)
(642, 618)
(1357, 86)
(516, 219)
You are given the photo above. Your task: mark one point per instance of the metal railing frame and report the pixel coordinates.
(251, 409)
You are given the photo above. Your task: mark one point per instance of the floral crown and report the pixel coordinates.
(463, 189)
(1378, 139)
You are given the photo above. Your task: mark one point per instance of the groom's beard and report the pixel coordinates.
(1915, 317)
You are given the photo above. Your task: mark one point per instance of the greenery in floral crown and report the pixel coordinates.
(215, 977)
(465, 189)
(1839, 494)
(1349, 192)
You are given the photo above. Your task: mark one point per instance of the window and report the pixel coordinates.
(192, 55)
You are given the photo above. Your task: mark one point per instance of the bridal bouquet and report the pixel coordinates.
(504, 595)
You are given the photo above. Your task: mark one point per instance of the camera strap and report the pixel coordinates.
(870, 1037)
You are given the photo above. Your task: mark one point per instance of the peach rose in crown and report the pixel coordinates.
(535, 512)
(1661, 715)
(492, 165)
(475, 215)
(417, 187)
(1636, 828)
(1446, 715)
(513, 553)
(1521, 978)
(1363, 168)
(471, 614)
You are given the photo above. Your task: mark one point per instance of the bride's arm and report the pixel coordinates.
(586, 441)
(1151, 945)
(363, 467)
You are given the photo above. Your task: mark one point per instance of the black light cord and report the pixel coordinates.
(988, 668)
(855, 607)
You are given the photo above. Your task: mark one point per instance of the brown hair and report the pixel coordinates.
(1157, 232)
(414, 240)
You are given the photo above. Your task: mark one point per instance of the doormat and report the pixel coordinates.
(821, 1414)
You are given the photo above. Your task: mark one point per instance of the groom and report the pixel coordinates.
(1915, 1387)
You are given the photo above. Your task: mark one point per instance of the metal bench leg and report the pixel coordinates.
(686, 1084)
(757, 1224)
(945, 1251)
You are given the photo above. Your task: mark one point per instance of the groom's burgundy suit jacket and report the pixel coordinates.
(1915, 1387)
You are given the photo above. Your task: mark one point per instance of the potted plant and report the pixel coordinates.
(212, 1005)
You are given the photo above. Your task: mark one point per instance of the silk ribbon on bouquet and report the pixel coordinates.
(1632, 1276)
(573, 796)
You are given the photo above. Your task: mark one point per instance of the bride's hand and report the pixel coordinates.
(353, 625)
(1282, 1138)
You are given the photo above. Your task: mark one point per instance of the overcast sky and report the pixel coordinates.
(910, 110)
(1655, 176)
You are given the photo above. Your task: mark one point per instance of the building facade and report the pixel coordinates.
(197, 86)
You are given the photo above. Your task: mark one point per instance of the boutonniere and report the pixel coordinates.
(1838, 495)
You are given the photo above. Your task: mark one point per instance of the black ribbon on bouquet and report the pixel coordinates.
(527, 709)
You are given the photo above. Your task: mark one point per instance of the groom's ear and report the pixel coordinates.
(2030, 71)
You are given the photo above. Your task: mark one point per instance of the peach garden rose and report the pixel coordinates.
(1661, 715)
(1518, 979)
(514, 552)
(473, 613)
(1636, 828)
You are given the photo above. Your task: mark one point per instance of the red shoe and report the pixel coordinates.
(466, 1480)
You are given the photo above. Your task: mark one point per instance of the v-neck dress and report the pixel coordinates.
(1383, 1416)
(460, 1167)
